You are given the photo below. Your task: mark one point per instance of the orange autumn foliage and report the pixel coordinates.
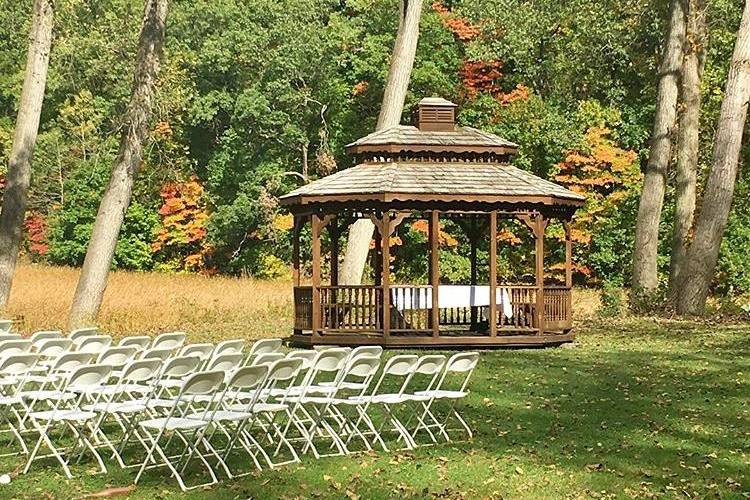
(460, 27)
(444, 239)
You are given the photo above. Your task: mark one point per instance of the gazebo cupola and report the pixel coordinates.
(431, 170)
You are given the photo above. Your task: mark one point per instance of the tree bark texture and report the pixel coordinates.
(24, 140)
(703, 252)
(645, 276)
(688, 138)
(114, 204)
(402, 62)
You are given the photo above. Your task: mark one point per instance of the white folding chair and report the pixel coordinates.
(5, 325)
(229, 347)
(232, 416)
(190, 431)
(227, 363)
(451, 387)
(172, 378)
(170, 340)
(11, 347)
(268, 358)
(15, 369)
(94, 343)
(117, 357)
(425, 377)
(85, 385)
(10, 336)
(140, 341)
(400, 367)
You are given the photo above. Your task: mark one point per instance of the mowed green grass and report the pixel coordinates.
(637, 409)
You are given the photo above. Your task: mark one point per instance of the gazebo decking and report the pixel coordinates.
(433, 171)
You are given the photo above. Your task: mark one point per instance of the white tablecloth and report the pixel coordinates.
(450, 296)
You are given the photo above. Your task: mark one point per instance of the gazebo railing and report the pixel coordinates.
(358, 309)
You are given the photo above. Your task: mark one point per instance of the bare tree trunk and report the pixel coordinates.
(114, 204)
(688, 139)
(646, 246)
(703, 252)
(402, 62)
(24, 140)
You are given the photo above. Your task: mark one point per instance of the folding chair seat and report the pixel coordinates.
(190, 432)
(170, 340)
(94, 343)
(140, 341)
(68, 414)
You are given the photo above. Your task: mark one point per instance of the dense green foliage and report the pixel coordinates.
(252, 91)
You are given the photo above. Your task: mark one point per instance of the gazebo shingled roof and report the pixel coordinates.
(405, 181)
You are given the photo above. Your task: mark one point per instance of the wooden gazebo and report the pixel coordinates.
(430, 171)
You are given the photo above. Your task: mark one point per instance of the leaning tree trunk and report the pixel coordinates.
(114, 204)
(703, 252)
(645, 250)
(688, 139)
(24, 139)
(402, 61)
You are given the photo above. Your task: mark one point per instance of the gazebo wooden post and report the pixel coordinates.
(298, 222)
(377, 267)
(539, 225)
(568, 265)
(333, 231)
(473, 242)
(434, 237)
(493, 274)
(317, 226)
(385, 246)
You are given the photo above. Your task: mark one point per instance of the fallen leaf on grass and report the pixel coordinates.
(111, 492)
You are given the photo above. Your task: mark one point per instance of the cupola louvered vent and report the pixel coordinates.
(436, 114)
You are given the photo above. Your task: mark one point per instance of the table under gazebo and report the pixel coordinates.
(432, 171)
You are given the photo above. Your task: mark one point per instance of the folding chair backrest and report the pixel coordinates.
(265, 346)
(95, 343)
(72, 360)
(307, 357)
(89, 376)
(77, 335)
(141, 342)
(203, 351)
(268, 358)
(248, 377)
(284, 370)
(180, 366)
(42, 335)
(366, 350)
(5, 325)
(229, 347)
(18, 364)
(10, 336)
(162, 354)
(141, 370)
(362, 370)
(9, 347)
(171, 340)
(462, 363)
(400, 366)
(202, 383)
(225, 362)
(430, 364)
(331, 360)
(117, 356)
(54, 347)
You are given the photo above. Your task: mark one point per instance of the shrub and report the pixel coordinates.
(611, 299)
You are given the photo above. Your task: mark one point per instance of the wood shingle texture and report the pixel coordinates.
(433, 181)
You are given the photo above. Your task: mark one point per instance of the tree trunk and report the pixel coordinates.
(645, 250)
(24, 140)
(402, 61)
(114, 204)
(703, 252)
(688, 139)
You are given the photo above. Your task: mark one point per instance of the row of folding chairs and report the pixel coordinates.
(229, 412)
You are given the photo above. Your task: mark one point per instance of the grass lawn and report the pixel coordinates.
(637, 409)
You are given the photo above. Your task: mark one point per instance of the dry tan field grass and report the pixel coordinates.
(208, 308)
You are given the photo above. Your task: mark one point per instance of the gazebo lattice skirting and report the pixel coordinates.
(433, 171)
